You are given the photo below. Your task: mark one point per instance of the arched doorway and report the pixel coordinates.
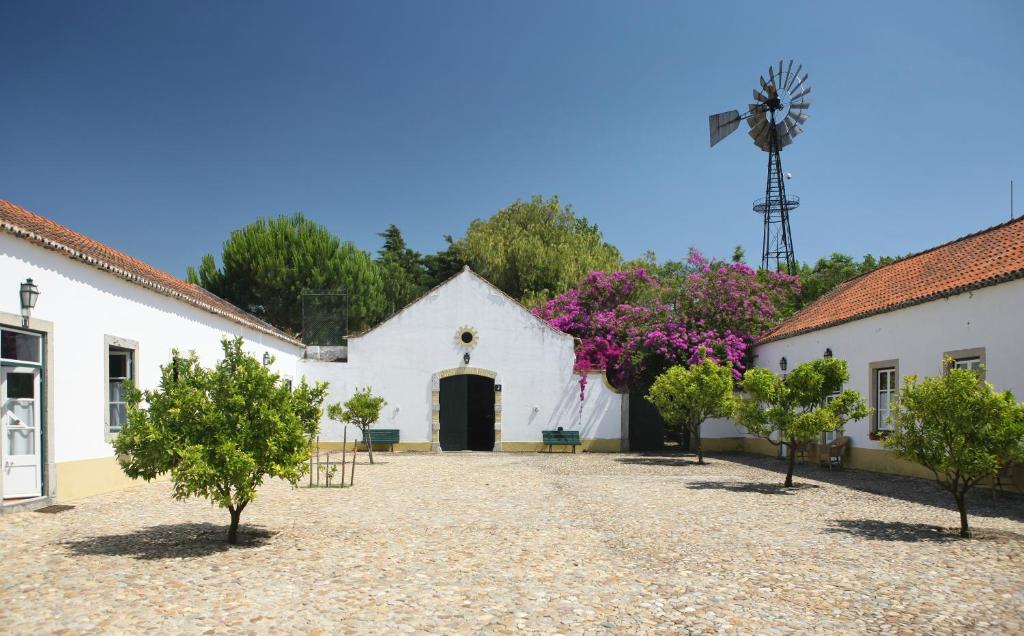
(467, 413)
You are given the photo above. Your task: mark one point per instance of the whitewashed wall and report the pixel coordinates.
(85, 304)
(533, 362)
(917, 336)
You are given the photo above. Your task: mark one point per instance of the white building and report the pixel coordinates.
(466, 367)
(964, 299)
(101, 317)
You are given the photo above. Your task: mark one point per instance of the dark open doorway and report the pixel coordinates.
(467, 413)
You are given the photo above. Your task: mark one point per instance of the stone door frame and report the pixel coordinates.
(435, 403)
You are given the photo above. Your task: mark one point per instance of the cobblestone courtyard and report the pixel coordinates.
(500, 542)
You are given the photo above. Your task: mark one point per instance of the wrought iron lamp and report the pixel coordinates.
(783, 364)
(29, 296)
(266, 358)
(828, 353)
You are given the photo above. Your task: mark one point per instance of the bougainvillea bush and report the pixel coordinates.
(633, 326)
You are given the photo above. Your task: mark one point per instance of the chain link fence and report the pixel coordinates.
(324, 317)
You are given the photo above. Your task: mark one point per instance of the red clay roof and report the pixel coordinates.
(42, 231)
(978, 260)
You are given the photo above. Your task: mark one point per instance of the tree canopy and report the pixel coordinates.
(403, 270)
(535, 249)
(796, 408)
(267, 264)
(685, 397)
(219, 432)
(960, 428)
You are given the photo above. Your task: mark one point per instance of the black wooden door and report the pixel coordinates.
(646, 428)
(454, 433)
(480, 410)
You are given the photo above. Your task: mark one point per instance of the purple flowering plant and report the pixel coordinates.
(633, 326)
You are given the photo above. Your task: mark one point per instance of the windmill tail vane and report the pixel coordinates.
(774, 120)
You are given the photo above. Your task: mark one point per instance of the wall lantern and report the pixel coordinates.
(29, 296)
(266, 358)
(465, 357)
(828, 353)
(783, 363)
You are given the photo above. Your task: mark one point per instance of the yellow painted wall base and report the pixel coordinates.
(586, 445)
(400, 447)
(871, 459)
(88, 477)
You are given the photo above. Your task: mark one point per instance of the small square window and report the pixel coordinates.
(17, 345)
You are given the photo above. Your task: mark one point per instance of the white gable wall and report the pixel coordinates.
(533, 362)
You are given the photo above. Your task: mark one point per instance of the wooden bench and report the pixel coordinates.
(382, 437)
(561, 438)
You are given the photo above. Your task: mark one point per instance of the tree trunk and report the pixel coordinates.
(236, 515)
(961, 505)
(791, 447)
(368, 440)
(355, 453)
(344, 452)
(700, 451)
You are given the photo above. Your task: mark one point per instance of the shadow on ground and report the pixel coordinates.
(892, 530)
(660, 460)
(981, 502)
(171, 541)
(749, 486)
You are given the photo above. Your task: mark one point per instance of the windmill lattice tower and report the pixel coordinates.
(774, 120)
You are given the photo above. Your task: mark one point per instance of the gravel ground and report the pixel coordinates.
(493, 543)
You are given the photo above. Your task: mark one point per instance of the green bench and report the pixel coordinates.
(382, 437)
(561, 438)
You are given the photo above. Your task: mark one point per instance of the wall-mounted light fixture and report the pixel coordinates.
(828, 353)
(266, 358)
(782, 363)
(29, 296)
(465, 357)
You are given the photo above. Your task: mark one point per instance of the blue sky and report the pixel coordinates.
(158, 127)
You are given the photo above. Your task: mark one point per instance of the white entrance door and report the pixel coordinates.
(19, 426)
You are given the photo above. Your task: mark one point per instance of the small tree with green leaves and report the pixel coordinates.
(362, 410)
(685, 397)
(793, 409)
(960, 428)
(219, 432)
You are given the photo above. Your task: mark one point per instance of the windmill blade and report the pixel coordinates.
(797, 117)
(771, 75)
(723, 124)
(764, 84)
(795, 129)
(785, 137)
(759, 97)
(755, 115)
(789, 85)
(761, 135)
(779, 75)
(789, 71)
(801, 105)
(799, 82)
(801, 93)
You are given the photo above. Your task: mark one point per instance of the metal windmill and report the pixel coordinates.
(774, 121)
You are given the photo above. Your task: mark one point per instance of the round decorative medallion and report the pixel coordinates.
(466, 337)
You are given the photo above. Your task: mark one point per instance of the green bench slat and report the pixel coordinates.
(561, 437)
(383, 435)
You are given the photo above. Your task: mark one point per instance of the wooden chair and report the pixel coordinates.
(831, 454)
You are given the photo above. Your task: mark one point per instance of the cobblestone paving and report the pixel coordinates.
(496, 543)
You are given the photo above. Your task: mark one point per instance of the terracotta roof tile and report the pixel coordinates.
(978, 260)
(42, 231)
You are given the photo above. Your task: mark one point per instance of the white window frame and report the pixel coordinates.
(113, 346)
(827, 437)
(881, 423)
(39, 344)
